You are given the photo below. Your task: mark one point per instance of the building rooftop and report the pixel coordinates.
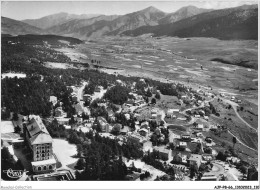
(38, 132)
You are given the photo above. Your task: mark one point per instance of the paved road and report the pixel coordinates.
(234, 106)
(241, 142)
(80, 97)
(235, 109)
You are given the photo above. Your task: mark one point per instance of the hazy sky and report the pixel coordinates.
(20, 10)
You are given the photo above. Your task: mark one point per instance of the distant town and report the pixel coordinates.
(112, 107)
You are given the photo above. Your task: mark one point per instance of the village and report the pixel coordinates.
(177, 130)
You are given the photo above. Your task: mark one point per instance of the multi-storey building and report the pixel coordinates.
(40, 143)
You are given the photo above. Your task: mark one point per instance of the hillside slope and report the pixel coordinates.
(234, 23)
(14, 27)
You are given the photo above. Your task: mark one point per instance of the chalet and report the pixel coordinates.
(195, 160)
(87, 97)
(60, 113)
(208, 139)
(180, 157)
(213, 127)
(157, 131)
(154, 116)
(143, 132)
(182, 118)
(142, 80)
(74, 98)
(116, 128)
(207, 157)
(199, 127)
(171, 111)
(201, 112)
(136, 138)
(153, 111)
(39, 141)
(102, 123)
(239, 101)
(183, 97)
(164, 153)
(127, 116)
(130, 102)
(125, 130)
(144, 124)
(119, 82)
(53, 100)
(185, 137)
(182, 144)
(63, 120)
(97, 89)
(233, 160)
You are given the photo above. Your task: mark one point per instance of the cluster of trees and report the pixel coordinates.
(213, 109)
(156, 139)
(102, 158)
(153, 160)
(56, 130)
(31, 95)
(117, 94)
(8, 162)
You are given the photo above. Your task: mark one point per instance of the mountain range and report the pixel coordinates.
(231, 23)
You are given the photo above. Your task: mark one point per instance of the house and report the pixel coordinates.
(154, 116)
(157, 131)
(143, 132)
(199, 127)
(102, 123)
(171, 111)
(130, 102)
(39, 141)
(119, 82)
(136, 138)
(208, 139)
(232, 98)
(180, 157)
(183, 97)
(164, 153)
(213, 127)
(87, 97)
(233, 160)
(182, 118)
(174, 136)
(59, 112)
(116, 129)
(144, 124)
(97, 89)
(206, 117)
(125, 130)
(202, 112)
(207, 157)
(182, 144)
(185, 137)
(74, 98)
(53, 100)
(195, 160)
(142, 80)
(127, 116)
(63, 120)
(197, 116)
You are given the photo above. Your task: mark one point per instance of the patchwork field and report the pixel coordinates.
(228, 67)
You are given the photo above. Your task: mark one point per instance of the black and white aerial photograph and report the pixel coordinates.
(130, 91)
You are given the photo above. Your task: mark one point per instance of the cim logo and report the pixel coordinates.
(14, 174)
